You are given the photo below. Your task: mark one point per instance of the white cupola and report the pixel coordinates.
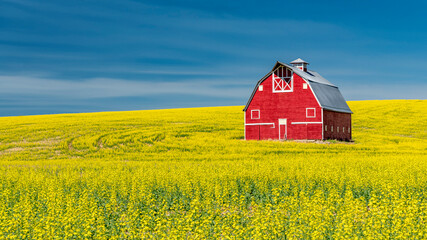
(301, 64)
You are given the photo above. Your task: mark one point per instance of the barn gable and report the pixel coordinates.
(292, 102)
(327, 94)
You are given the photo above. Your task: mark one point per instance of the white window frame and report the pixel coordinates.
(306, 113)
(261, 88)
(300, 66)
(281, 79)
(252, 113)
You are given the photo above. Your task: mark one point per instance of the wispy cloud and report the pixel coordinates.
(107, 88)
(66, 51)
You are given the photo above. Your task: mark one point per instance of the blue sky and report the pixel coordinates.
(83, 56)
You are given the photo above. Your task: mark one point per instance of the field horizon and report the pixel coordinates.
(154, 109)
(188, 173)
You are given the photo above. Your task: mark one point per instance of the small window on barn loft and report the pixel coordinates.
(310, 112)
(260, 88)
(282, 80)
(304, 86)
(255, 114)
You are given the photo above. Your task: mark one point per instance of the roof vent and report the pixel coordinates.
(299, 63)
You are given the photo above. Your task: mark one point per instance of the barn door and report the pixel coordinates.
(283, 129)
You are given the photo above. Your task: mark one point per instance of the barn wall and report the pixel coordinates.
(305, 131)
(314, 131)
(289, 105)
(252, 132)
(337, 121)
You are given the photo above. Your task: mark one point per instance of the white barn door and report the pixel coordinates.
(283, 129)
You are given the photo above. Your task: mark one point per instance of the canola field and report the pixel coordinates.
(188, 174)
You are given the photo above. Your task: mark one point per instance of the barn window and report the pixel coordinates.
(304, 86)
(332, 128)
(310, 112)
(255, 114)
(338, 129)
(282, 80)
(260, 88)
(326, 128)
(343, 129)
(348, 130)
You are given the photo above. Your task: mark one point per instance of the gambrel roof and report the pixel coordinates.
(327, 94)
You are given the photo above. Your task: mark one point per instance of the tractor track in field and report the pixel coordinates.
(70, 145)
(99, 143)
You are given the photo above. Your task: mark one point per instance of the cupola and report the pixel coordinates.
(299, 63)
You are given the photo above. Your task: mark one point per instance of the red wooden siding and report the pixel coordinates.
(284, 105)
(337, 121)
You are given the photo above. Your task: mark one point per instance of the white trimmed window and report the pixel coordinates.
(338, 129)
(310, 112)
(260, 88)
(255, 114)
(282, 80)
(326, 128)
(348, 130)
(343, 129)
(332, 128)
(304, 86)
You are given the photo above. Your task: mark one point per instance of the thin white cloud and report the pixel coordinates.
(107, 87)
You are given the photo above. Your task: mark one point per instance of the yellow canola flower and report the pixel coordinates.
(188, 174)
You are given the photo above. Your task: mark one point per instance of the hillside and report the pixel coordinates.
(181, 134)
(189, 173)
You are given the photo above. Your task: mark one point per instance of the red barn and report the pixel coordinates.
(292, 102)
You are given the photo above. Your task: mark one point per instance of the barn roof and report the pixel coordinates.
(328, 95)
(298, 60)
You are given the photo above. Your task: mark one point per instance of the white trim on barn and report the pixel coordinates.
(254, 124)
(321, 112)
(283, 121)
(245, 123)
(317, 100)
(306, 113)
(306, 123)
(282, 82)
(252, 114)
